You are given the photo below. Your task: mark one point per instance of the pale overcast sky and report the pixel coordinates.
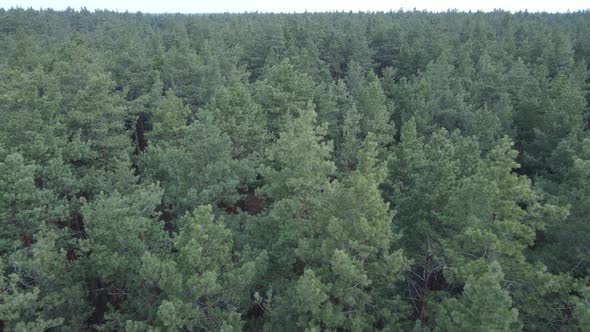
(216, 6)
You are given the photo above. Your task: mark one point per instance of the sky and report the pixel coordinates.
(238, 6)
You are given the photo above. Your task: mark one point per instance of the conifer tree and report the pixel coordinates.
(282, 91)
(234, 111)
(372, 106)
(193, 162)
(352, 264)
(483, 306)
(201, 286)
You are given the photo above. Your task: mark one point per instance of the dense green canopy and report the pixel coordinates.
(402, 171)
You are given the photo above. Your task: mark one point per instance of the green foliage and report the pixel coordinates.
(235, 113)
(282, 91)
(23, 208)
(203, 286)
(40, 289)
(344, 245)
(318, 171)
(375, 116)
(300, 160)
(484, 306)
(299, 164)
(192, 162)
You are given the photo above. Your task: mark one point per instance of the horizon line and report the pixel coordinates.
(399, 10)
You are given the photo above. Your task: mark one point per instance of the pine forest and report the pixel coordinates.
(337, 171)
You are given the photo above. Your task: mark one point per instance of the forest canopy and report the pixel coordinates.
(400, 171)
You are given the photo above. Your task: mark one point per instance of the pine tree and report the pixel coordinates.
(345, 249)
(201, 286)
(118, 230)
(40, 286)
(193, 162)
(23, 207)
(372, 106)
(234, 111)
(297, 173)
(483, 306)
(282, 91)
